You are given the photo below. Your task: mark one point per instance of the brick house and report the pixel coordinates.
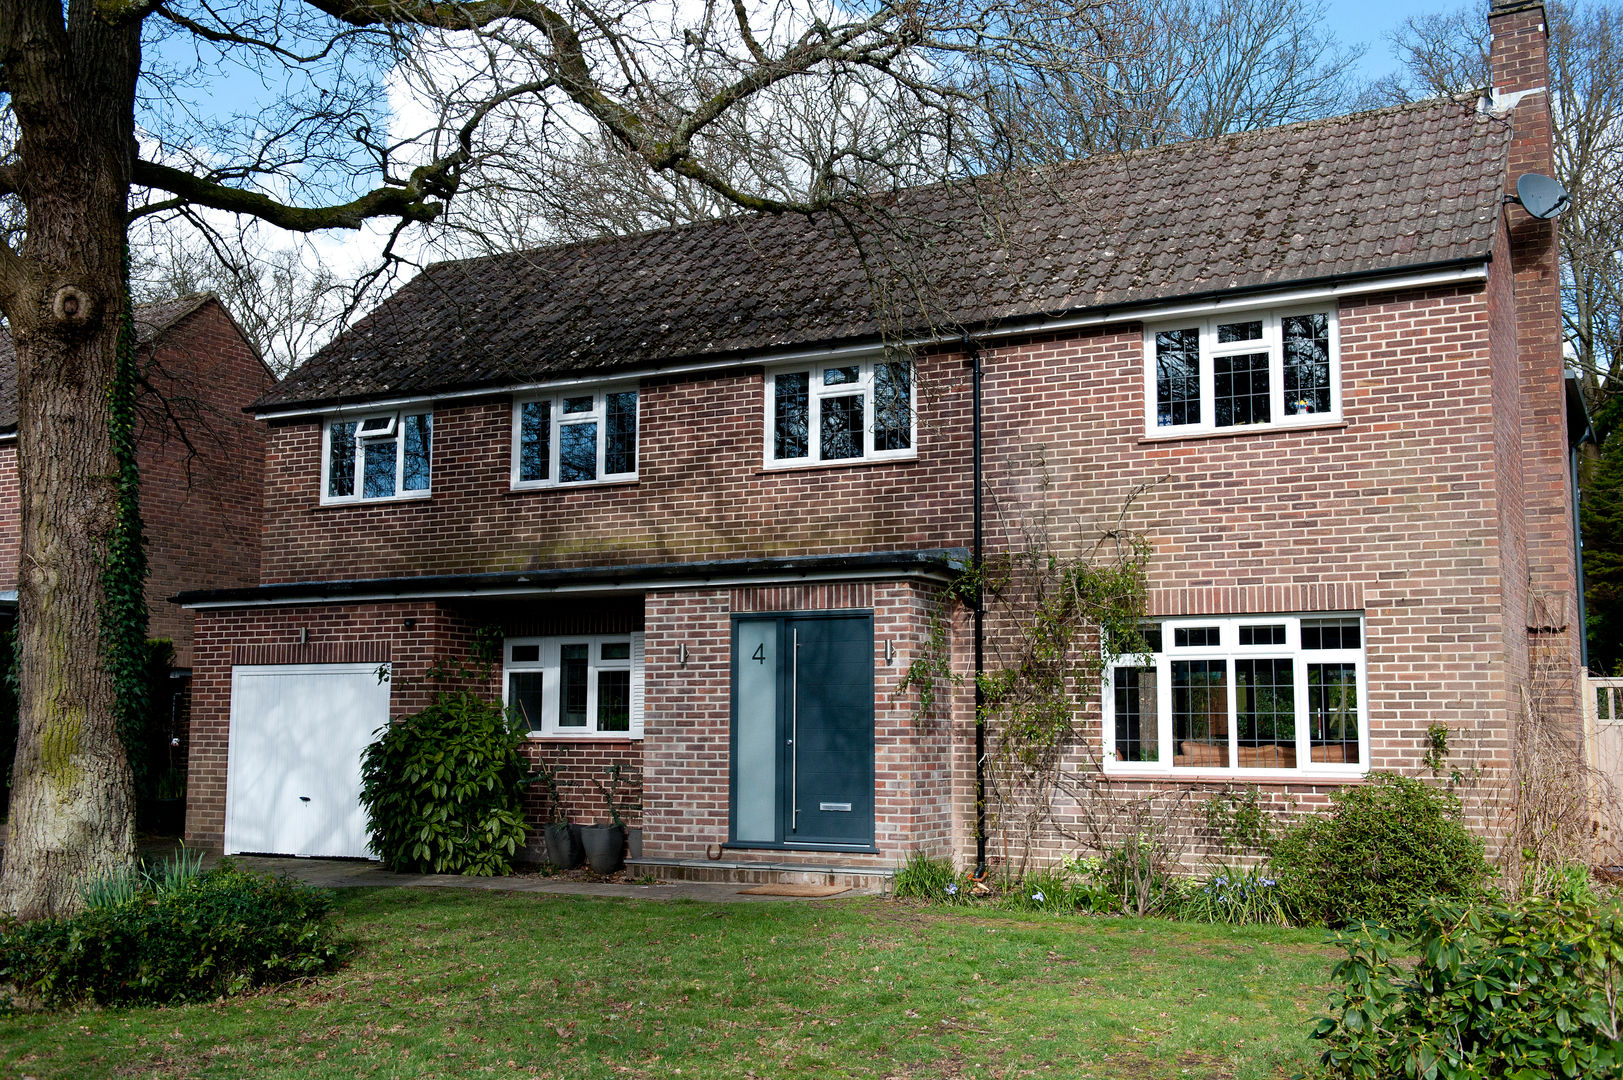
(712, 516)
(201, 460)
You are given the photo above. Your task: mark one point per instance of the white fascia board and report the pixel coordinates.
(662, 585)
(1129, 313)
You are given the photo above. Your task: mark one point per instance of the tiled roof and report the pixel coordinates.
(1410, 186)
(150, 321)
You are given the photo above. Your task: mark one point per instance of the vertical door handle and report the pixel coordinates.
(794, 733)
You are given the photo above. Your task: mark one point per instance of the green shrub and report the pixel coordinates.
(922, 877)
(1523, 991)
(1233, 895)
(1380, 852)
(441, 789)
(201, 937)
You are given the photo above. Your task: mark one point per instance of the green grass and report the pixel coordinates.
(454, 982)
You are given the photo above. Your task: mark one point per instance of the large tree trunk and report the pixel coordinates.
(73, 86)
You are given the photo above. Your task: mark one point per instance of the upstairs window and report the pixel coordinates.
(575, 437)
(382, 456)
(842, 411)
(1255, 694)
(587, 685)
(1247, 370)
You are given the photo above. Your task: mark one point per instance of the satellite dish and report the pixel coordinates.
(1541, 196)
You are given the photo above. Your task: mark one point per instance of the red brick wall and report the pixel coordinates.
(702, 493)
(1520, 65)
(411, 638)
(688, 727)
(201, 493)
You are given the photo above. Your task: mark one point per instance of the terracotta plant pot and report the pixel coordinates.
(605, 847)
(563, 846)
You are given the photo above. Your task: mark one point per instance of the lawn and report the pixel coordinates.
(452, 982)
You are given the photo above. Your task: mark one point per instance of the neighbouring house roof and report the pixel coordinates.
(1411, 186)
(151, 320)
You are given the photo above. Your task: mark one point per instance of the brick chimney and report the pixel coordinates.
(1520, 69)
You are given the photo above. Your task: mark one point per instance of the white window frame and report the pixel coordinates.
(395, 432)
(817, 392)
(598, 415)
(1210, 349)
(1230, 650)
(550, 666)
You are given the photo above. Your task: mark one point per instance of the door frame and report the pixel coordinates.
(782, 750)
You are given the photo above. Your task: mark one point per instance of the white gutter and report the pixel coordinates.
(1131, 313)
(549, 590)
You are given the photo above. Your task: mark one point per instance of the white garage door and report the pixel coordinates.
(293, 778)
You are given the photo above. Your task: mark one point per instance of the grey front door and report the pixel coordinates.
(803, 731)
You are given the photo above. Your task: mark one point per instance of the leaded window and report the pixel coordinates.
(577, 437)
(840, 411)
(1242, 371)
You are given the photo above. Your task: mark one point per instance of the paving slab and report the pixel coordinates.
(361, 873)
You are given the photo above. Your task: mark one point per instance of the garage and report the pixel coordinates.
(293, 781)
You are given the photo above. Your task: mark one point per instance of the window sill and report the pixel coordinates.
(847, 463)
(1232, 433)
(526, 489)
(342, 504)
(584, 737)
(1229, 776)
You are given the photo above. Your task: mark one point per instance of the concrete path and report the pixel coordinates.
(357, 873)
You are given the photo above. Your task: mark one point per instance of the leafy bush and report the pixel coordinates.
(441, 789)
(922, 877)
(1235, 896)
(1522, 991)
(200, 937)
(164, 876)
(1380, 852)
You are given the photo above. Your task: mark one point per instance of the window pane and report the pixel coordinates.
(572, 669)
(419, 440)
(892, 407)
(578, 404)
(1152, 636)
(1332, 712)
(535, 440)
(842, 427)
(1307, 364)
(839, 376)
(1177, 377)
(524, 696)
(1200, 714)
(620, 429)
(789, 415)
(1196, 637)
(377, 468)
(1267, 634)
(377, 425)
(1240, 389)
(341, 462)
(617, 650)
(577, 452)
(1239, 331)
(525, 654)
(1136, 713)
(1265, 701)
(1330, 634)
(614, 701)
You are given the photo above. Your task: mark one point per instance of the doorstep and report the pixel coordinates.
(858, 879)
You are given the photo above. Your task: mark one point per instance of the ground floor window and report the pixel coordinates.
(578, 685)
(1263, 693)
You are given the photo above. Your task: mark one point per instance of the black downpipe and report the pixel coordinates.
(980, 611)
